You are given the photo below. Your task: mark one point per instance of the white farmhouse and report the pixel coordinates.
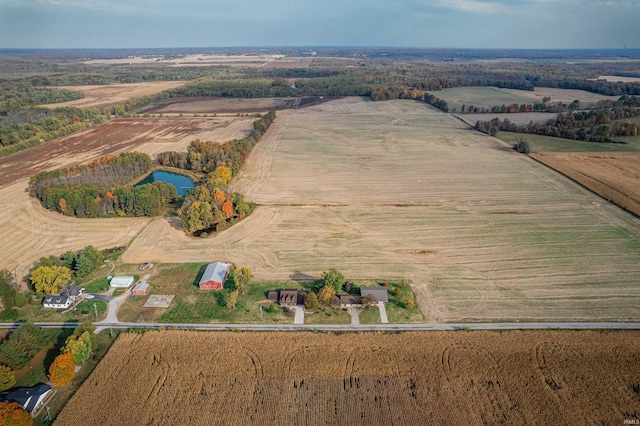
(57, 302)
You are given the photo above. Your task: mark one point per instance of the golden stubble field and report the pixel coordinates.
(411, 378)
(394, 190)
(108, 94)
(28, 231)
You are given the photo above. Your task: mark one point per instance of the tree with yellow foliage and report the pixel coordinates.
(62, 370)
(50, 279)
(7, 378)
(80, 347)
(325, 295)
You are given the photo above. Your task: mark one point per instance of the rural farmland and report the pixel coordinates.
(397, 189)
(518, 377)
(43, 233)
(108, 94)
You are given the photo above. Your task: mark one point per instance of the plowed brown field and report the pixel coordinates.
(412, 378)
(614, 176)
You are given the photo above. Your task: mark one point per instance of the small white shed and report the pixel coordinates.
(121, 281)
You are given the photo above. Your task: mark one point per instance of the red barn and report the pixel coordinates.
(215, 275)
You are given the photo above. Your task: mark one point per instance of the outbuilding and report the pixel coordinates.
(121, 281)
(379, 293)
(214, 276)
(141, 288)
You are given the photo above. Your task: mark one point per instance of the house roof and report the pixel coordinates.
(27, 397)
(215, 272)
(72, 291)
(56, 300)
(121, 280)
(350, 299)
(142, 286)
(380, 293)
(272, 295)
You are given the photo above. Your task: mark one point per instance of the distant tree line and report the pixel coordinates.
(590, 126)
(97, 189)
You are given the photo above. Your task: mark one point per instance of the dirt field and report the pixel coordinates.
(101, 95)
(413, 378)
(30, 232)
(614, 176)
(397, 189)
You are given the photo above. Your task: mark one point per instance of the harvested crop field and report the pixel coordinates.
(486, 97)
(203, 105)
(29, 232)
(207, 378)
(399, 190)
(109, 94)
(614, 176)
(148, 135)
(561, 95)
(33, 232)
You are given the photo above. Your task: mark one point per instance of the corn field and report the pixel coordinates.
(411, 378)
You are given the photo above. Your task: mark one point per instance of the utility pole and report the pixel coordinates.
(260, 313)
(48, 413)
(95, 308)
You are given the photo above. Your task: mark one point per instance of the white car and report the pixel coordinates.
(90, 296)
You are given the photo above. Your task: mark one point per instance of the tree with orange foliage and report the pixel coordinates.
(219, 196)
(12, 414)
(62, 370)
(227, 208)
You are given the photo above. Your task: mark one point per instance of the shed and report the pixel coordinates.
(30, 398)
(381, 294)
(215, 275)
(141, 288)
(57, 302)
(121, 281)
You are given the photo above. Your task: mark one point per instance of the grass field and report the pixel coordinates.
(486, 97)
(539, 143)
(399, 190)
(412, 378)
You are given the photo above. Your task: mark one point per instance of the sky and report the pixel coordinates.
(522, 24)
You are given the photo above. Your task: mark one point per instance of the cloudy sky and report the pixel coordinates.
(399, 23)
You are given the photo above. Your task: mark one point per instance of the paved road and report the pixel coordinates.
(362, 327)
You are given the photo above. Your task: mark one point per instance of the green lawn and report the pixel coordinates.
(397, 311)
(370, 315)
(192, 305)
(540, 143)
(328, 316)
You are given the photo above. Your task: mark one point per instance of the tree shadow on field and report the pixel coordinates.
(305, 280)
(175, 222)
(56, 350)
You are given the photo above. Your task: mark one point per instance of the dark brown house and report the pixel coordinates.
(287, 296)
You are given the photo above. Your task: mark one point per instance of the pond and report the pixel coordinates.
(182, 183)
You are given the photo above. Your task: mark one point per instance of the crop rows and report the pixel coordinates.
(205, 378)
